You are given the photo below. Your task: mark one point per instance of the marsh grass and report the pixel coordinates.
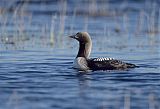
(148, 20)
(19, 25)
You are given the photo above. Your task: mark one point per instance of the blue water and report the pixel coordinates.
(36, 63)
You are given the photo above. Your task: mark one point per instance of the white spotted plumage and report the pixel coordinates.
(102, 59)
(83, 62)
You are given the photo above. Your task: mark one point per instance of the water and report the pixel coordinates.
(36, 58)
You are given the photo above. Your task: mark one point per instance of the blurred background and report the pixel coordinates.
(48, 22)
(36, 55)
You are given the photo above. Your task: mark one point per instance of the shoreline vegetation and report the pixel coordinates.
(20, 21)
(42, 23)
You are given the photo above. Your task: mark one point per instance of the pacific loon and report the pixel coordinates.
(83, 62)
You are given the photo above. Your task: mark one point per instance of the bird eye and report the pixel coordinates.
(78, 33)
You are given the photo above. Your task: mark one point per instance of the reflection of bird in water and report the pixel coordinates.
(83, 62)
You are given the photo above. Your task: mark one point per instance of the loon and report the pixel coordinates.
(83, 62)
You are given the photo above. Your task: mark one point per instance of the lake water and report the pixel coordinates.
(36, 56)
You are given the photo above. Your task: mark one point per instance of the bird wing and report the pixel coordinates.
(108, 64)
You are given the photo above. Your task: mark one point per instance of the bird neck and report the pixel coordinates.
(84, 50)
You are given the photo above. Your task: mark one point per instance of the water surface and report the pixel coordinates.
(36, 57)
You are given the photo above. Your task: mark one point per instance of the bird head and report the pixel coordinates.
(82, 37)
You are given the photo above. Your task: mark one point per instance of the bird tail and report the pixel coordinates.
(129, 65)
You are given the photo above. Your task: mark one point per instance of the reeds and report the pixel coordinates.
(22, 26)
(63, 9)
(147, 21)
(52, 30)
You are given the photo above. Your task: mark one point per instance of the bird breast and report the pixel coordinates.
(81, 63)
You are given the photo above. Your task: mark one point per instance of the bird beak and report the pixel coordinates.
(73, 36)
